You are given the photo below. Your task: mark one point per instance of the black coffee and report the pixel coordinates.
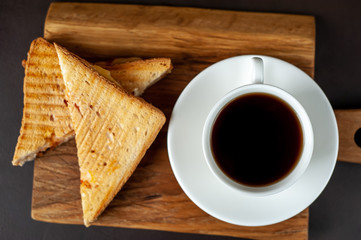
(257, 139)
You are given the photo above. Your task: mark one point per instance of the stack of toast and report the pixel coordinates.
(64, 95)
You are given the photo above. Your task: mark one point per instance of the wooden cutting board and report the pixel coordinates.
(194, 39)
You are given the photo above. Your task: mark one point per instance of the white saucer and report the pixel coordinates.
(190, 167)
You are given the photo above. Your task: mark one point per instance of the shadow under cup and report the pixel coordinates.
(258, 139)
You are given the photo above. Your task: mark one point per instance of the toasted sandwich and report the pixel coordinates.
(46, 119)
(113, 131)
(136, 75)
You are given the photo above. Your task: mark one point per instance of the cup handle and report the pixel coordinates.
(258, 76)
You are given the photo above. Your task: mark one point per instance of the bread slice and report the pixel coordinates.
(46, 119)
(113, 131)
(136, 75)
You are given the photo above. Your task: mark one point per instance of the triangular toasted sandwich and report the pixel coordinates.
(113, 131)
(46, 119)
(136, 75)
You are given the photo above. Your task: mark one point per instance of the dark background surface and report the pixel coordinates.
(336, 214)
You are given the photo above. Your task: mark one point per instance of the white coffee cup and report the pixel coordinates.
(258, 86)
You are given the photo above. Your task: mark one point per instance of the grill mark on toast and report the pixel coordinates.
(44, 53)
(27, 115)
(42, 84)
(35, 95)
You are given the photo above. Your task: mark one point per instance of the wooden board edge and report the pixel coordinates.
(310, 19)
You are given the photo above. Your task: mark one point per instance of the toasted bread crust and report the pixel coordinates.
(113, 131)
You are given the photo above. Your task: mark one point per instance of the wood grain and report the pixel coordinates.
(190, 34)
(194, 39)
(151, 199)
(348, 121)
